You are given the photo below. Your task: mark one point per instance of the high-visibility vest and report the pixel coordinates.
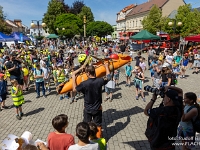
(101, 142)
(18, 99)
(61, 78)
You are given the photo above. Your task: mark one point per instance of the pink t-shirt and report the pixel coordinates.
(142, 65)
(60, 141)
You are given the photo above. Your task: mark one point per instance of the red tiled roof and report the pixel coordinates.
(126, 8)
(147, 6)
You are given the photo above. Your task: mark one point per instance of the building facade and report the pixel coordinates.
(121, 20)
(36, 31)
(17, 26)
(133, 20)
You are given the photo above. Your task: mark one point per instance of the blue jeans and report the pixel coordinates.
(38, 84)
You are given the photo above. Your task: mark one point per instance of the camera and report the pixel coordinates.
(156, 91)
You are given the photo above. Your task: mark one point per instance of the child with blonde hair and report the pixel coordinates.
(18, 98)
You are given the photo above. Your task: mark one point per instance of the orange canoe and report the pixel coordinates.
(100, 72)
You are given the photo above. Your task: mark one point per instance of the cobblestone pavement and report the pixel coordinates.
(124, 122)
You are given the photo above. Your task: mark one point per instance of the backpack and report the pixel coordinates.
(196, 122)
(156, 128)
(36, 71)
(173, 79)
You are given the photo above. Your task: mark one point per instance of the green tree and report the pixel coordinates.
(72, 24)
(88, 13)
(77, 7)
(152, 22)
(3, 27)
(99, 28)
(54, 9)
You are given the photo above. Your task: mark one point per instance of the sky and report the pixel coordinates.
(103, 10)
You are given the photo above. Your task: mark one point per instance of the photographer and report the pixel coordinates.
(163, 120)
(14, 68)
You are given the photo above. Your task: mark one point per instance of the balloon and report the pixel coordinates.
(114, 56)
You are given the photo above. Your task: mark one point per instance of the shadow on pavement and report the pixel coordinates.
(34, 111)
(117, 95)
(144, 144)
(110, 115)
(123, 82)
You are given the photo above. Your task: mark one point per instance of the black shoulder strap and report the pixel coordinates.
(190, 108)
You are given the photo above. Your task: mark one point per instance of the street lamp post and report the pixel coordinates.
(84, 22)
(38, 25)
(174, 29)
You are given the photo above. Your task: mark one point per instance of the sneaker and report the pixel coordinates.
(38, 96)
(18, 117)
(49, 90)
(144, 99)
(136, 97)
(129, 85)
(66, 96)
(111, 100)
(5, 107)
(126, 85)
(22, 114)
(44, 96)
(61, 98)
(106, 99)
(0, 109)
(75, 100)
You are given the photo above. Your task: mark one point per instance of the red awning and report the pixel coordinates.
(195, 38)
(124, 38)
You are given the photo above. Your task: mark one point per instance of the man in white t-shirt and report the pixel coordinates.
(169, 58)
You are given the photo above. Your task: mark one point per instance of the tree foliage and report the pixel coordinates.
(99, 28)
(73, 25)
(3, 27)
(54, 9)
(153, 21)
(77, 7)
(88, 13)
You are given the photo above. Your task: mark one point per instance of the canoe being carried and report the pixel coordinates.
(99, 69)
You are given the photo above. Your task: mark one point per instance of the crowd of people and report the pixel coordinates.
(24, 67)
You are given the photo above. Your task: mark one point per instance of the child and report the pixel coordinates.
(3, 91)
(116, 77)
(128, 73)
(18, 98)
(46, 77)
(83, 134)
(60, 140)
(25, 73)
(185, 62)
(142, 64)
(138, 82)
(60, 76)
(93, 137)
(55, 69)
(109, 90)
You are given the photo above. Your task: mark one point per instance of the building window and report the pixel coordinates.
(136, 23)
(133, 24)
(130, 24)
(140, 22)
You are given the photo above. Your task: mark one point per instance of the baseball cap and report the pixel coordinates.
(165, 65)
(173, 95)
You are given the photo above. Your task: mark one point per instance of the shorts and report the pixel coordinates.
(152, 74)
(196, 63)
(25, 77)
(3, 97)
(108, 90)
(19, 80)
(18, 106)
(93, 115)
(116, 77)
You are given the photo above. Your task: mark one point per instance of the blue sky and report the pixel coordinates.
(103, 10)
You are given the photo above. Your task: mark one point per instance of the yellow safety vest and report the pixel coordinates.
(101, 142)
(61, 78)
(18, 99)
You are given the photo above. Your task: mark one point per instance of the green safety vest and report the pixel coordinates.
(101, 142)
(18, 98)
(61, 78)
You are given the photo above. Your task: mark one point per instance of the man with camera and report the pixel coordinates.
(163, 120)
(14, 68)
